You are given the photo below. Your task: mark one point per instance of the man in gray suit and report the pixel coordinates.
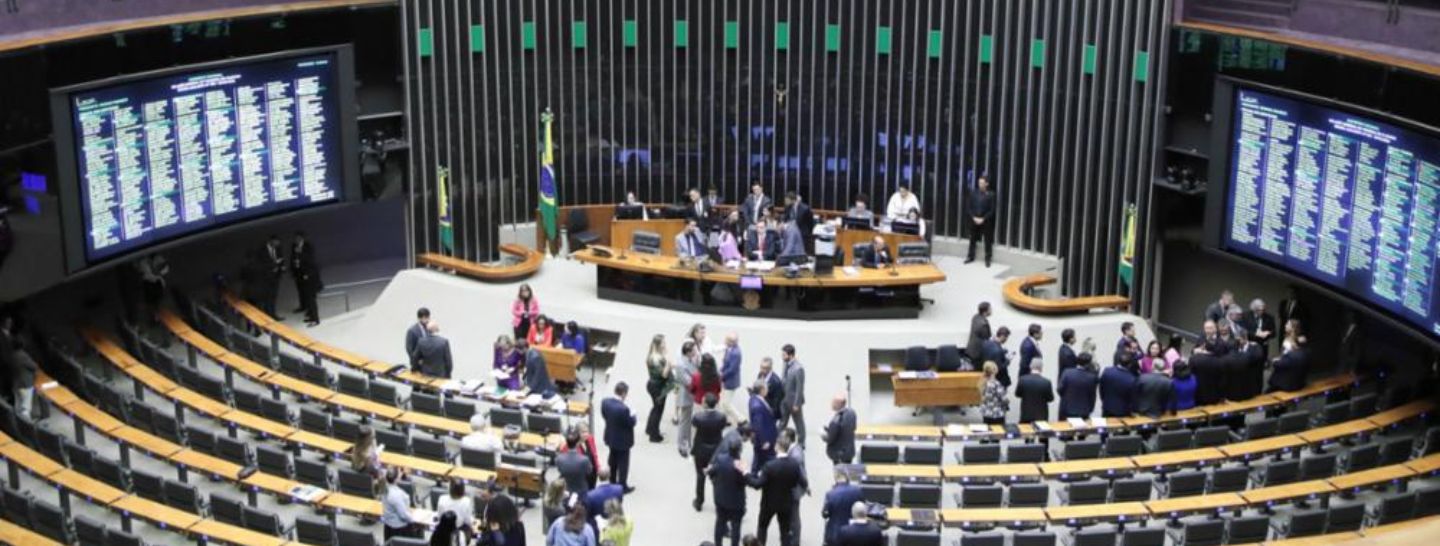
(979, 333)
(792, 406)
(839, 435)
(573, 466)
(414, 334)
(434, 352)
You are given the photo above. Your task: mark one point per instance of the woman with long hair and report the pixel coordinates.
(444, 532)
(994, 402)
(365, 458)
(501, 525)
(573, 338)
(1152, 355)
(657, 386)
(618, 528)
(523, 311)
(572, 530)
(507, 363)
(706, 380)
(553, 507)
(541, 333)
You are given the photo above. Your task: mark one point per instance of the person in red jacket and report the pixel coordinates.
(586, 447)
(541, 333)
(706, 380)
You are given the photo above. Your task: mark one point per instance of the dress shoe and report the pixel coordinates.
(969, 260)
(298, 310)
(629, 489)
(697, 504)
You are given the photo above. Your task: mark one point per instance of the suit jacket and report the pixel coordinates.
(875, 259)
(701, 216)
(1153, 394)
(840, 436)
(992, 351)
(802, 215)
(1209, 371)
(792, 242)
(777, 482)
(687, 246)
(774, 391)
(413, 335)
(1244, 372)
(709, 429)
(1077, 392)
(1035, 393)
(752, 244)
(575, 469)
(730, 368)
(982, 204)
(1264, 321)
(860, 534)
(794, 384)
(747, 211)
(1065, 358)
(729, 483)
(595, 499)
(1028, 351)
(979, 334)
(537, 376)
(762, 422)
(1117, 392)
(619, 424)
(304, 267)
(836, 509)
(1289, 370)
(1214, 311)
(434, 352)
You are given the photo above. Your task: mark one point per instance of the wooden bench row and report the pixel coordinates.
(1404, 532)
(1016, 292)
(562, 363)
(1172, 508)
(1152, 462)
(530, 261)
(1061, 428)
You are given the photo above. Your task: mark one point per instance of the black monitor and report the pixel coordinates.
(629, 212)
(908, 228)
(795, 259)
(851, 222)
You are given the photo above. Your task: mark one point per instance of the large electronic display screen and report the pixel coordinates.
(154, 157)
(1340, 196)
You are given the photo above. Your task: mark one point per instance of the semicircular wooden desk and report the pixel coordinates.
(845, 293)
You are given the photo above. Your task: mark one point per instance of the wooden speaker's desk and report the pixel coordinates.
(943, 390)
(622, 232)
(846, 239)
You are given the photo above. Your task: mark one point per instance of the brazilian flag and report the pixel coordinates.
(447, 227)
(548, 208)
(1127, 248)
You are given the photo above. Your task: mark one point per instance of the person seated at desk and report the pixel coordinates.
(573, 338)
(761, 241)
(507, 363)
(901, 202)
(688, 243)
(726, 242)
(632, 201)
(536, 375)
(792, 242)
(541, 333)
(911, 223)
(877, 255)
(861, 208)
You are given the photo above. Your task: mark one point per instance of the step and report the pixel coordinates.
(1236, 17)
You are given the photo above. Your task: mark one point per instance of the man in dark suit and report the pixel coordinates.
(792, 242)
(762, 424)
(860, 531)
(1154, 391)
(709, 427)
(1066, 353)
(537, 375)
(306, 272)
(777, 482)
(574, 467)
(1260, 326)
(839, 433)
(762, 242)
(837, 505)
(774, 385)
(792, 406)
(1217, 310)
(797, 211)
(755, 205)
(1244, 375)
(1127, 347)
(275, 268)
(1035, 393)
(993, 350)
(1209, 370)
(414, 334)
(1289, 369)
(727, 474)
(1077, 388)
(689, 243)
(1030, 348)
(1117, 389)
(979, 334)
(982, 218)
(695, 207)
(619, 434)
(877, 255)
(434, 352)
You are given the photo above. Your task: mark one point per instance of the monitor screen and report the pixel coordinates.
(152, 157)
(751, 282)
(1337, 195)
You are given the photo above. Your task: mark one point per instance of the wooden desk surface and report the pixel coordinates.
(992, 516)
(1336, 431)
(87, 487)
(32, 461)
(352, 505)
(146, 442)
(152, 511)
(248, 367)
(319, 443)
(366, 407)
(300, 387)
(426, 467)
(991, 472)
(231, 534)
(1402, 413)
(198, 402)
(1085, 467)
(1225, 409)
(667, 266)
(273, 484)
(207, 464)
(151, 379)
(1180, 506)
(53, 390)
(11, 533)
(530, 262)
(256, 423)
(289, 335)
(897, 432)
(1173, 459)
(944, 390)
(1287, 492)
(1015, 292)
(903, 471)
(846, 239)
(1192, 415)
(622, 232)
(1372, 477)
(434, 423)
(1115, 511)
(1425, 465)
(1318, 388)
(94, 418)
(1262, 447)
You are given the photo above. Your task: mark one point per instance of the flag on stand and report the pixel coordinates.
(447, 228)
(1127, 248)
(548, 209)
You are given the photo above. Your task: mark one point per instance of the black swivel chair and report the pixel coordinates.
(577, 229)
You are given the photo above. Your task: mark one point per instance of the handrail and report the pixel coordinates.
(65, 34)
(1016, 293)
(1315, 45)
(530, 261)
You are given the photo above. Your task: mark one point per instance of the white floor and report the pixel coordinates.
(473, 314)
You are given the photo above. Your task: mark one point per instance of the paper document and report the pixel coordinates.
(1076, 422)
(979, 428)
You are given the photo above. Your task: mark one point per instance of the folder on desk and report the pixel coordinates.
(979, 428)
(1099, 422)
(954, 429)
(1043, 426)
(306, 493)
(884, 368)
(1076, 422)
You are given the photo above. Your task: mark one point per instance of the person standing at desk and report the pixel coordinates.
(1154, 392)
(414, 334)
(522, 312)
(1117, 389)
(756, 205)
(730, 376)
(542, 334)
(861, 208)
(901, 202)
(712, 197)
(878, 255)
(688, 244)
(839, 434)
(792, 242)
(993, 350)
(507, 363)
(727, 243)
(982, 218)
(792, 407)
(979, 333)
(275, 269)
(696, 210)
(619, 434)
(306, 273)
(803, 217)
(761, 242)
(1077, 388)
(709, 427)
(1067, 351)
(1259, 325)
(1035, 393)
(1030, 348)
(762, 422)
(434, 352)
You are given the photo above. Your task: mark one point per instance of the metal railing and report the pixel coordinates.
(341, 290)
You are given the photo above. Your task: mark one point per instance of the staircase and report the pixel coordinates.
(1261, 14)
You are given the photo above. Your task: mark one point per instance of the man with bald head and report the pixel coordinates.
(730, 377)
(839, 434)
(434, 351)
